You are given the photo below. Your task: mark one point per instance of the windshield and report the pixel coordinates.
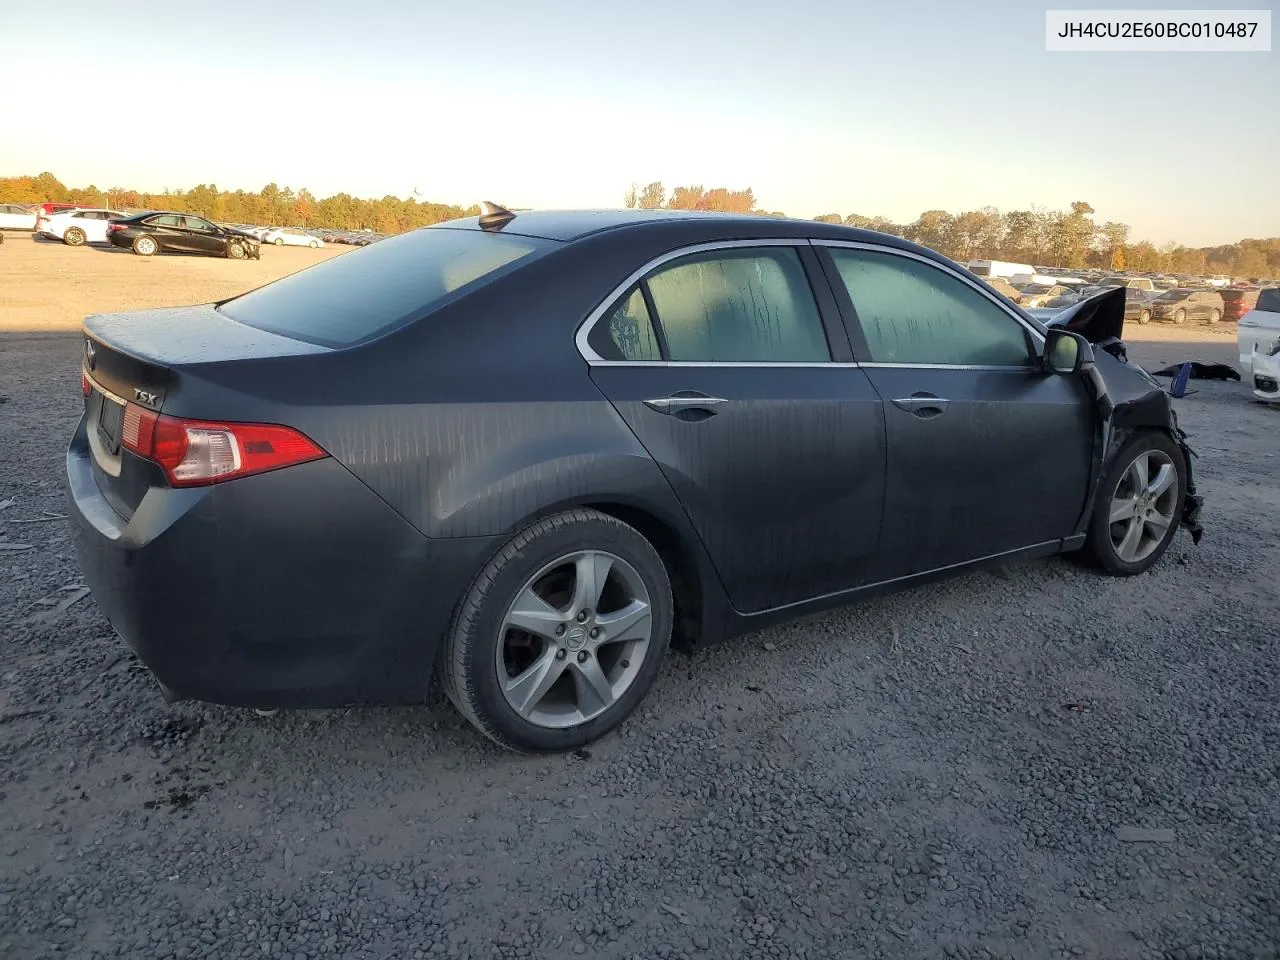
(359, 295)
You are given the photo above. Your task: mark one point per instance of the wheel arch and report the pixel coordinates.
(700, 603)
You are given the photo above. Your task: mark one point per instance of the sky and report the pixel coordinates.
(820, 106)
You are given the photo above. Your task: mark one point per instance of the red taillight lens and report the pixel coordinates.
(113, 227)
(85, 387)
(195, 453)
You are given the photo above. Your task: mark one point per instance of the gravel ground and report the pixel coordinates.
(1037, 762)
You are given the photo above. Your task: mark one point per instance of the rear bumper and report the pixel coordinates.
(294, 588)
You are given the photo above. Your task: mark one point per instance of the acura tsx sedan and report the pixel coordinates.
(525, 452)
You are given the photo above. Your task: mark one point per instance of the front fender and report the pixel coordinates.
(1141, 403)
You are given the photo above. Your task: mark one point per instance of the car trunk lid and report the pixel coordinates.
(136, 362)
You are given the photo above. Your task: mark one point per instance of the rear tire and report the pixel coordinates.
(314, 245)
(551, 568)
(146, 246)
(278, 242)
(74, 237)
(1126, 501)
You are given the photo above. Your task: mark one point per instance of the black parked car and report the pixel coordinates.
(1181, 305)
(522, 451)
(150, 233)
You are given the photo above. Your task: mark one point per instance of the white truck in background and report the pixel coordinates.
(998, 268)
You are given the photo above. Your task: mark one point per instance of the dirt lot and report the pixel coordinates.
(1035, 762)
(47, 286)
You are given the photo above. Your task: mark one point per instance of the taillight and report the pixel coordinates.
(196, 453)
(85, 387)
(113, 227)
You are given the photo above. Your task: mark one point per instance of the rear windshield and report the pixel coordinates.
(1175, 295)
(1269, 300)
(373, 290)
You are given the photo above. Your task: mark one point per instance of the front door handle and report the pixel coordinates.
(685, 403)
(923, 405)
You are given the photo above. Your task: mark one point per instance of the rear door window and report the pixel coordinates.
(750, 305)
(383, 286)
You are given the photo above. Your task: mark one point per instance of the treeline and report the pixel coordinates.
(1057, 238)
(1063, 238)
(272, 206)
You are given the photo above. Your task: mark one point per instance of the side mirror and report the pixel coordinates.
(1066, 352)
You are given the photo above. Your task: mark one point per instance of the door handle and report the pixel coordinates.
(923, 405)
(672, 406)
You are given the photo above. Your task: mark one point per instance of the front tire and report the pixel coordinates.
(1139, 505)
(1215, 316)
(1180, 316)
(74, 237)
(236, 251)
(1144, 317)
(145, 246)
(314, 245)
(561, 635)
(278, 242)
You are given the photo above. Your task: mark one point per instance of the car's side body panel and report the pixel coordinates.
(452, 432)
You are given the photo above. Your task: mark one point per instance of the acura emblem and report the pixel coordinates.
(90, 352)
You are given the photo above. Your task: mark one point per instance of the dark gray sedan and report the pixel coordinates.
(525, 451)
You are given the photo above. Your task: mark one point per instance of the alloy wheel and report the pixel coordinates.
(1142, 505)
(574, 639)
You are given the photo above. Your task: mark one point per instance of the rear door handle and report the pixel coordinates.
(681, 403)
(923, 405)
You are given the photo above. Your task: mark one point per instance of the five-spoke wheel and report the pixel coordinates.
(1139, 504)
(574, 639)
(562, 633)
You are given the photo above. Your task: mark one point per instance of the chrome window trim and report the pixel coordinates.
(1026, 322)
(584, 330)
(797, 364)
(1021, 368)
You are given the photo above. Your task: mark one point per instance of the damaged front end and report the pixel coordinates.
(1266, 375)
(247, 242)
(1128, 397)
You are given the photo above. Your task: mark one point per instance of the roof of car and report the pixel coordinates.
(570, 225)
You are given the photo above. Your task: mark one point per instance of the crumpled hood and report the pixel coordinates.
(1098, 319)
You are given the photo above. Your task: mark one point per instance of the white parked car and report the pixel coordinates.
(1219, 280)
(17, 216)
(291, 237)
(78, 227)
(1258, 336)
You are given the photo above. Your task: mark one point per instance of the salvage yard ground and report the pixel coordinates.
(1033, 762)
